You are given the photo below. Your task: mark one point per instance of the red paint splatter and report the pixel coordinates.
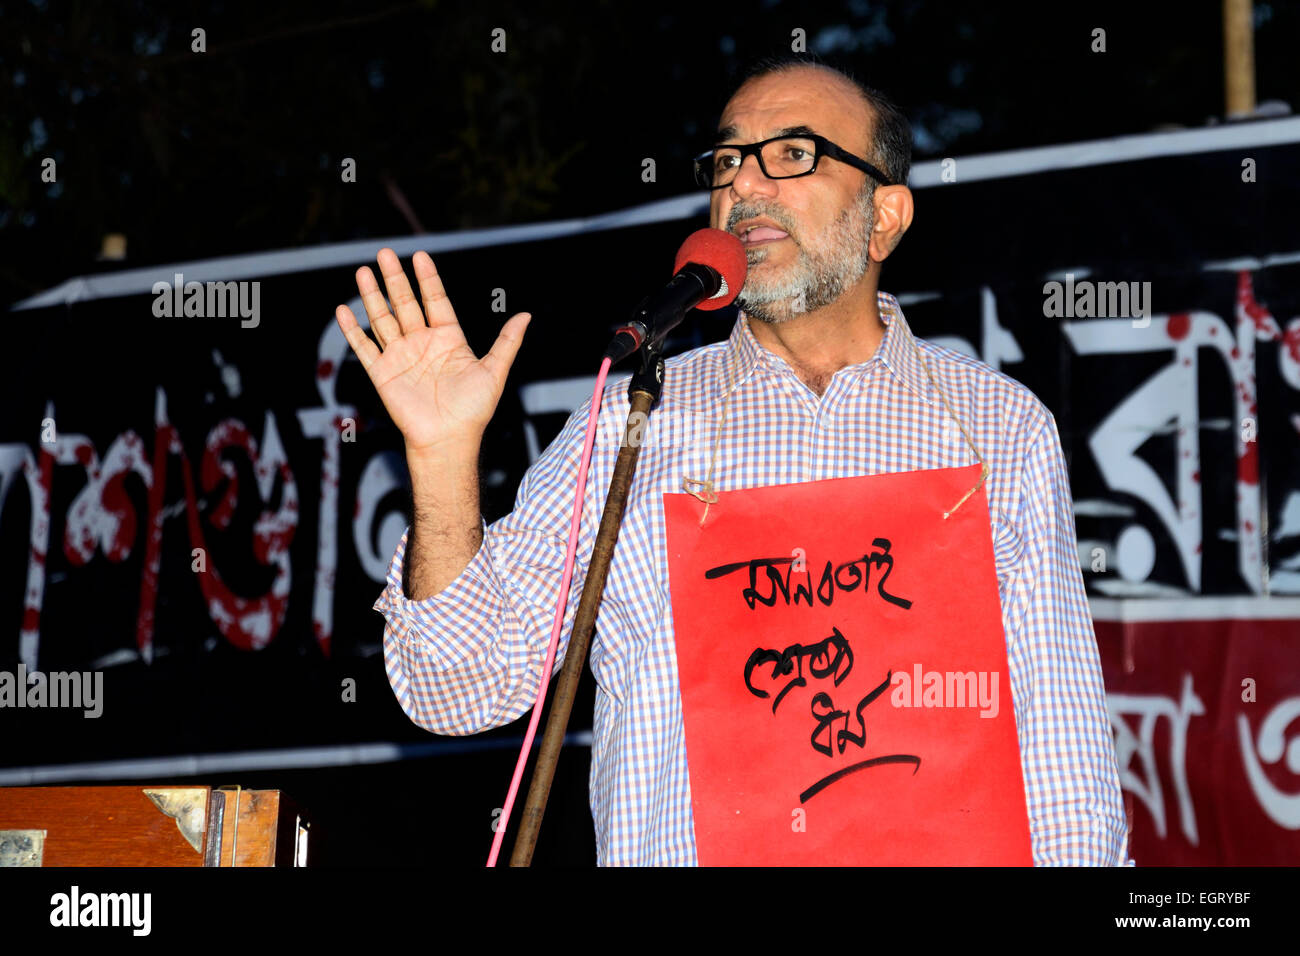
(144, 622)
(118, 503)
(1178, 326)
(1248, 465)
(1292, 342)
(1246, 299)
(324, 368)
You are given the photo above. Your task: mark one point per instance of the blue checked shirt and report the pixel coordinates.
(470, 658)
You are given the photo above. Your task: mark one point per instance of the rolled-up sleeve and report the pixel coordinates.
(1076, 809)
(470, 657)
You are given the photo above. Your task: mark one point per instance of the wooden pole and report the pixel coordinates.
(584, 623)
(1238, 58)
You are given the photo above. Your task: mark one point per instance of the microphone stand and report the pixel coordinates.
(643, 391)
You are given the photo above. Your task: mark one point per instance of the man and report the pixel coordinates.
(823, 381)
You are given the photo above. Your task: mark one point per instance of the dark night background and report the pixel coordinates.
(238, 150)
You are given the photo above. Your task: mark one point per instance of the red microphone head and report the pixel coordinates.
(722, 252)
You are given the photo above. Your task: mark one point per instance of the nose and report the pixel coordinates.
(750, 180)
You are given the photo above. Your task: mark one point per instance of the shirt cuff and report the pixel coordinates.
(452, 624)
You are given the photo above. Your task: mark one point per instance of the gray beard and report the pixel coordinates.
(820, 274)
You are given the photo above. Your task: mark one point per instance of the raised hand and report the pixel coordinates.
(439, 394)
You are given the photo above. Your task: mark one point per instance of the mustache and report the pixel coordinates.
(750, 210)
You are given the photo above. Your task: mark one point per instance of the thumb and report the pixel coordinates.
(502, 354)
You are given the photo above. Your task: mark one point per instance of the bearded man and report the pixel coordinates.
(809, 170)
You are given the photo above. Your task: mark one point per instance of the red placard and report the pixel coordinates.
(843, 675)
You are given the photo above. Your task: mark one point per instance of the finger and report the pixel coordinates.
(382, 321)
(366, 351)
(437, 307)
(502, 354)
(404, 302)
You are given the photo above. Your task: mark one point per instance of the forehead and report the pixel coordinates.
(798, 97)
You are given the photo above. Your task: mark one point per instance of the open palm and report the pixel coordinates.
(434, 387)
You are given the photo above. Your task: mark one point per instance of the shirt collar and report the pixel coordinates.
(896, 351)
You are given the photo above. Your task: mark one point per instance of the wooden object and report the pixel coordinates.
(149, 826)
(267, 830)
(1238, 58)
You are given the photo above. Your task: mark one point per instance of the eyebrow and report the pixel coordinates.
(730, 132)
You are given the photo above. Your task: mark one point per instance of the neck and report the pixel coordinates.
(818, 344)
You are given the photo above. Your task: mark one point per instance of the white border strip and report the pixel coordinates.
(1102, 152)
(1197, 609)
(299, 758)
(1248, 264)
(970, 169)
(358, 253)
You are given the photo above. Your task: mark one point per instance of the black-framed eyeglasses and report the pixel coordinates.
(781, 157)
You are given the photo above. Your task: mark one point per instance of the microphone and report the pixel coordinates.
(708, 274)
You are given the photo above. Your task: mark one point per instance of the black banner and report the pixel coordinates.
(201, 507)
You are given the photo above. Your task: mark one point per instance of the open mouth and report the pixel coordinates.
(761, 235)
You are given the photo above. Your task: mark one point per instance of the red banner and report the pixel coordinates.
(1205, 707)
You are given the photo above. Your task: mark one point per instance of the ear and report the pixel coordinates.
(893, 217)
